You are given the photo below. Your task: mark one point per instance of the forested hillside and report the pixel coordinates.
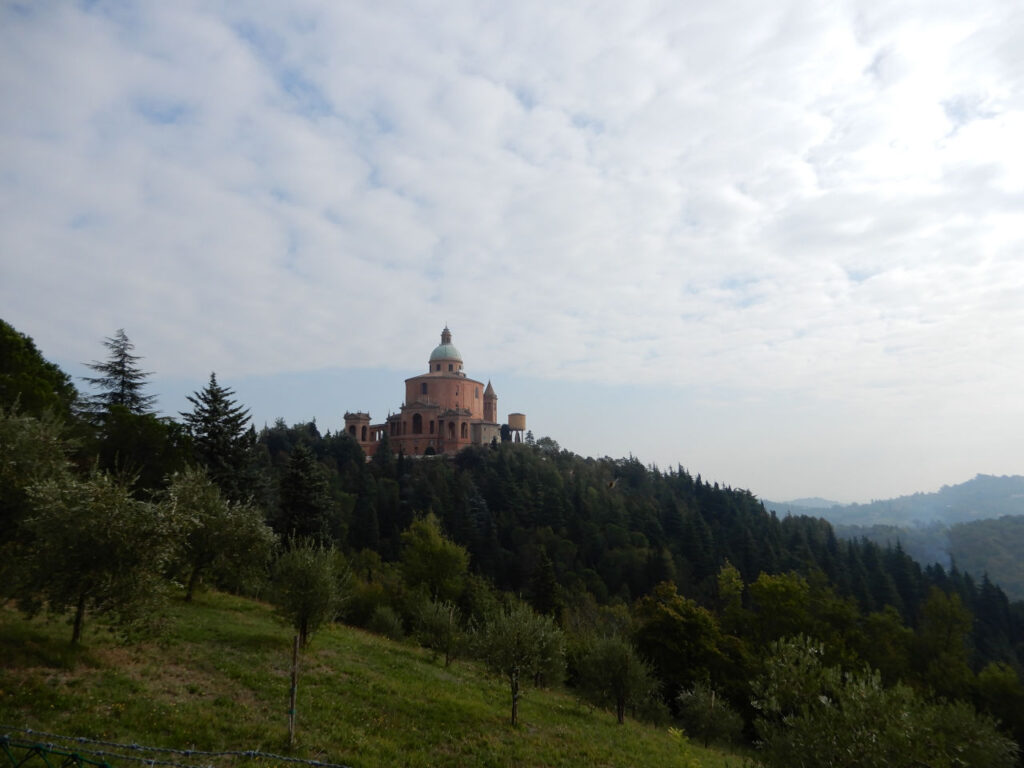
(710, 599)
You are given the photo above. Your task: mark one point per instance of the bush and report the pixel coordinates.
(385, 621)
(707, 714)
(439, 628)
(816, 715)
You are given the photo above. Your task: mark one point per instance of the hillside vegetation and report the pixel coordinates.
(218, 679)
(655, 592)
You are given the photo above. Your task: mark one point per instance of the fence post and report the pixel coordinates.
(294, 690)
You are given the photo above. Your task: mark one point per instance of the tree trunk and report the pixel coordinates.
(293, 693)
(76, 632)
(192, 581)
(514, 680)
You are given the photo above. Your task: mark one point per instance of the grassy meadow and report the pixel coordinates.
(218, 679)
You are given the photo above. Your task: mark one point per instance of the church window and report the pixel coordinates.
(364, 434)
(478, 393)
(438, 367)
(417, 424)
(352, 430)
(451, 430)
(449, 366)
(465, 430)
(431, 426)
(423, 388)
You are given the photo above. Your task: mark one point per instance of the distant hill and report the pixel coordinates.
(983, 498)
(813, 502)
(977, 525)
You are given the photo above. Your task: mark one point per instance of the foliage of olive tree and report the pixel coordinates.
(31, 450)
(439, 628)
(708, 715)
(612, 672)
(91, 546)
(310, 583)
(522, 647)
(814, 715)
(227, 540)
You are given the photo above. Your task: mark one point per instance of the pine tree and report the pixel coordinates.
(305, 509)
(221, 440)
(120, 380)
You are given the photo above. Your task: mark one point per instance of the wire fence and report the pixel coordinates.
(31, 747)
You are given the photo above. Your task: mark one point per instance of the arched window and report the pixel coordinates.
(451, 430)
(465, 430)
(417, 424)
(364, 433)
(431, 426)
(352, 430)
(423, 388)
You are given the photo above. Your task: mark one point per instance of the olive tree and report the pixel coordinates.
(218, 537)
(309, 585)
(439, 628)
(32, 450)
(522, 647)
(89, 545)
(612, 672)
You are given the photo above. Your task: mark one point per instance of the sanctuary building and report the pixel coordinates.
(444, 411)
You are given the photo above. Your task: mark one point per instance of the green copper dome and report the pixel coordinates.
(445, 350)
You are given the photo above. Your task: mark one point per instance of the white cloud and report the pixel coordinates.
(809, 200)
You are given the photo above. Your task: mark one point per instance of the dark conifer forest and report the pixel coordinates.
(699, 580)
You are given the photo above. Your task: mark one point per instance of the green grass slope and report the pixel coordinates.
(219, 677)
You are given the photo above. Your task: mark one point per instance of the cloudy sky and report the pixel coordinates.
(779, 244)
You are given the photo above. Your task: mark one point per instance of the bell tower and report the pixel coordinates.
(490, 405)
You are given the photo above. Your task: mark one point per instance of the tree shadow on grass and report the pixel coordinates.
(38, 646)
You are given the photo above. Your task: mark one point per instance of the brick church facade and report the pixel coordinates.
(444, 411)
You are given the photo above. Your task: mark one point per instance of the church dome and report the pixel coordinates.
(445, 350)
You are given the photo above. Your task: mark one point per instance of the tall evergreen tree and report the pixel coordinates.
(305, 508)
(221, 441)
(120, 379)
